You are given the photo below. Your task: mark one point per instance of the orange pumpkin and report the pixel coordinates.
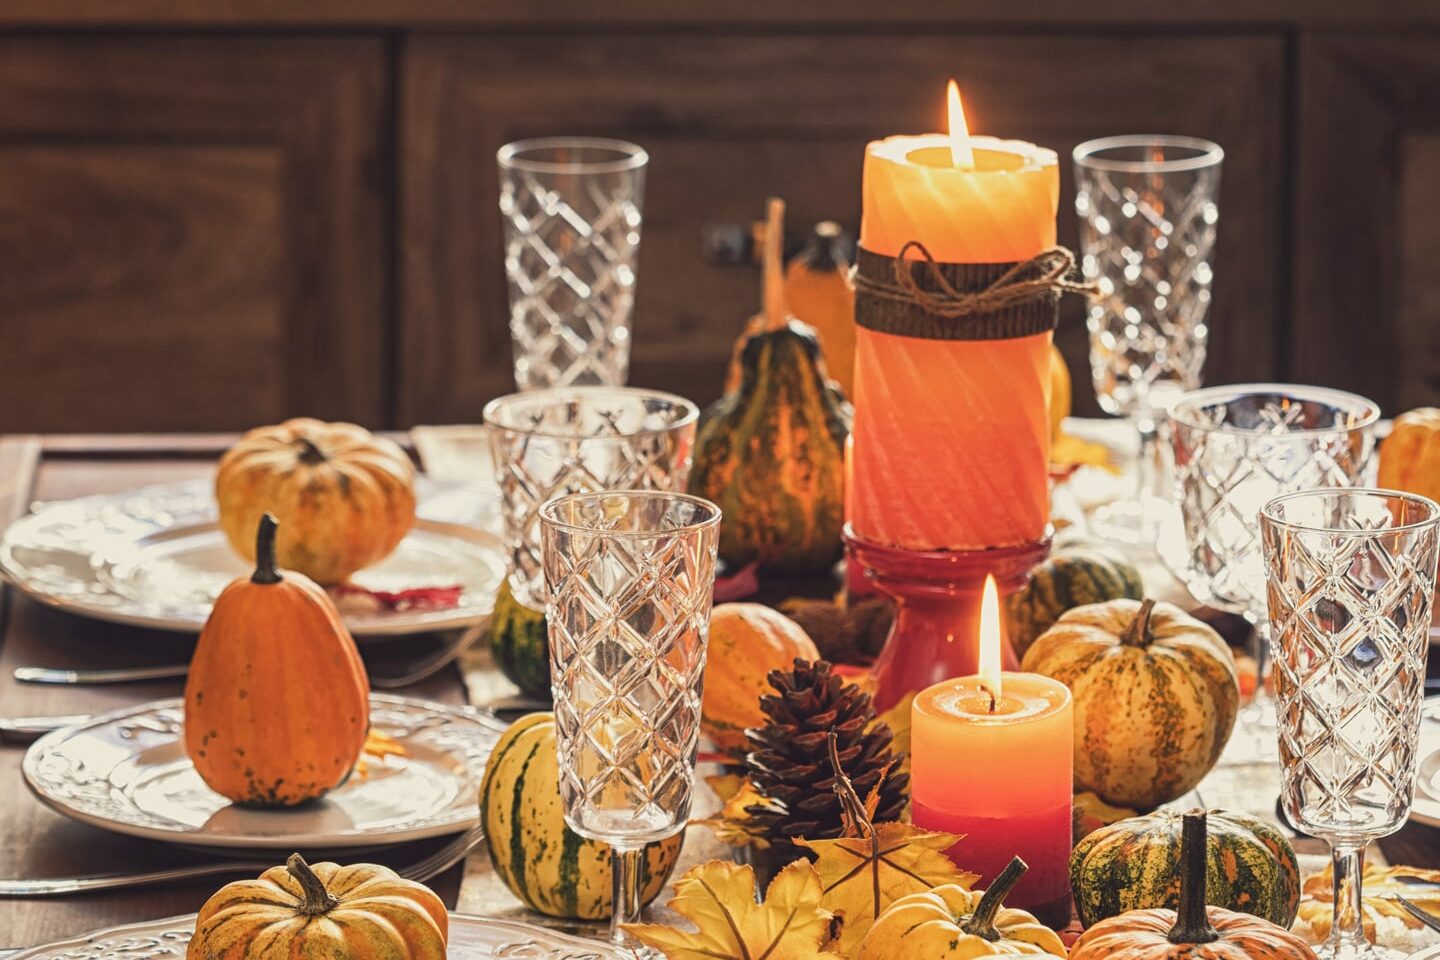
(359, 912)
(1410, 456)
(344, 497)
(747, 641)
(277, 704)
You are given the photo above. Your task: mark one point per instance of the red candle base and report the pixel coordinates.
(937, 593)
(1041, 839)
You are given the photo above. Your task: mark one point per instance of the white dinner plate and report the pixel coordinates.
(127, 772)
(1426, 808)
(471, 938)
(156, 557)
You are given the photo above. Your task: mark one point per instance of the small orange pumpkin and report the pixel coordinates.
(277, 702)
(1410, 456)
(747, 641)
(1195, 932)
(344, 497)
(359, 912)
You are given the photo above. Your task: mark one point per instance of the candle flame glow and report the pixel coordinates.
(990, 639)
(960, 153)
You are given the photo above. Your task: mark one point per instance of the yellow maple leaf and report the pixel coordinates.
(734, 825)
(719, 899)
(863, 875)
(897, 718)
(1380, 886)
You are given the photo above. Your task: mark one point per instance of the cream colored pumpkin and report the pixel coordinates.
(1155, 697)
(344, 497)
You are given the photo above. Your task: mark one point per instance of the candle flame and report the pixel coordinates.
(990, 639)
(960, 153)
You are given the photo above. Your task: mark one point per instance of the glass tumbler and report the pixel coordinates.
(1148, 209)
(630, 577)
(1234, 449)
(1351, 579)
(571, 210)
(548, 443)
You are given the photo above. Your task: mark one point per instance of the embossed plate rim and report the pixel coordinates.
(190, 504)
(467, 933)
(458, 815)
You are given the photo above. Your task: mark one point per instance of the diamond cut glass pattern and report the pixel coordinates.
(630, 576)
(1350, 582)
(549, 443)
(1148, 212)
(571, 211)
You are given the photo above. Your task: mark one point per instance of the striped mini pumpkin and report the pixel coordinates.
(1135, 865)
(1155, 697)
(1072, 577)
(546, 864)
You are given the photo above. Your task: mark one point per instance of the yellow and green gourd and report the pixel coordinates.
(1072, 577)
(771, 452)
(546, 864)
(520, 644)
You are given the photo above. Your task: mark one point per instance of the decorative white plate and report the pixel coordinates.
(471, 938)
(155, 557)
(1426, 808)
(127, 771)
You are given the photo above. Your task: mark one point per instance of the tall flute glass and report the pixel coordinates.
(1351, 579)
(1235, 448)
(1148, 208)
(630, 577)
(571, 209)
(548, 443)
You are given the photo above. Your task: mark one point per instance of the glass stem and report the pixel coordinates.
(1348, 930)
(1146, 472)
(624, 891)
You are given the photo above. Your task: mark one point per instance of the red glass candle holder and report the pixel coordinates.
(937, 594)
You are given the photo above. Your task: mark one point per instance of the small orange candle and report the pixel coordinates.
(952, 437)
(991, 758)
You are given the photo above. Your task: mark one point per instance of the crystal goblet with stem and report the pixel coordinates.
(548, 443)
(629, 576)
(1350, 580)
(571, 211)
(1235, 448)
(1148, 209)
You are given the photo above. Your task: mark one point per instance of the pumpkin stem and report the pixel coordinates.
(981, 923)
(310, 454)
(1138, 635)
(265, 571)
(772, 288)
(1192, 922)
(317, 899)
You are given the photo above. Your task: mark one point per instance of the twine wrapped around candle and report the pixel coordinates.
(923, 298)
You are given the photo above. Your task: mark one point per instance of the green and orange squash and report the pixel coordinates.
(1155, 697)
(1135, 865)
(1072, 577)
(771, 452)
(542, 861)
(520, 644)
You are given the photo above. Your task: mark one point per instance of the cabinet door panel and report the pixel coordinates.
(731, 119)
(192, 233)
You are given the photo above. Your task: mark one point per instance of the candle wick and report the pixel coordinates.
(991, 694)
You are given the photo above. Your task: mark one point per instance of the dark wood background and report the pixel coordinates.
(216, 213)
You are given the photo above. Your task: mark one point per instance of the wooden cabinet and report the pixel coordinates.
(191, 232)
(1367, 218)
(730, 119)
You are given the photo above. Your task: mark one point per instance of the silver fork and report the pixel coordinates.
(420, 871)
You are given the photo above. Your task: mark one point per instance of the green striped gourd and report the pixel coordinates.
(1135, 865)
(1155, 697)
(1072, 577)
(520, 644)
(547, 865)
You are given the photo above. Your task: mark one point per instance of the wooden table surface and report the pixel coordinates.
(35, 842)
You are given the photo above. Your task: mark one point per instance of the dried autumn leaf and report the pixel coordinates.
(734, 825)
(1380, 885)
(861, 876)
(1069, 452)
(719, 899)
(897, 718)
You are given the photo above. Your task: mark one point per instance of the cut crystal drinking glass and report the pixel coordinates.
(630, 576)
(1235, 448)
(1350, 581)
(571, 210)
(1148, 209)
(548, 443)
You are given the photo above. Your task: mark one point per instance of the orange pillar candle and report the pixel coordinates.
(999, 769)
(952, 437)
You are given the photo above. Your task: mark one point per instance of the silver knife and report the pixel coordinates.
(27, 729)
